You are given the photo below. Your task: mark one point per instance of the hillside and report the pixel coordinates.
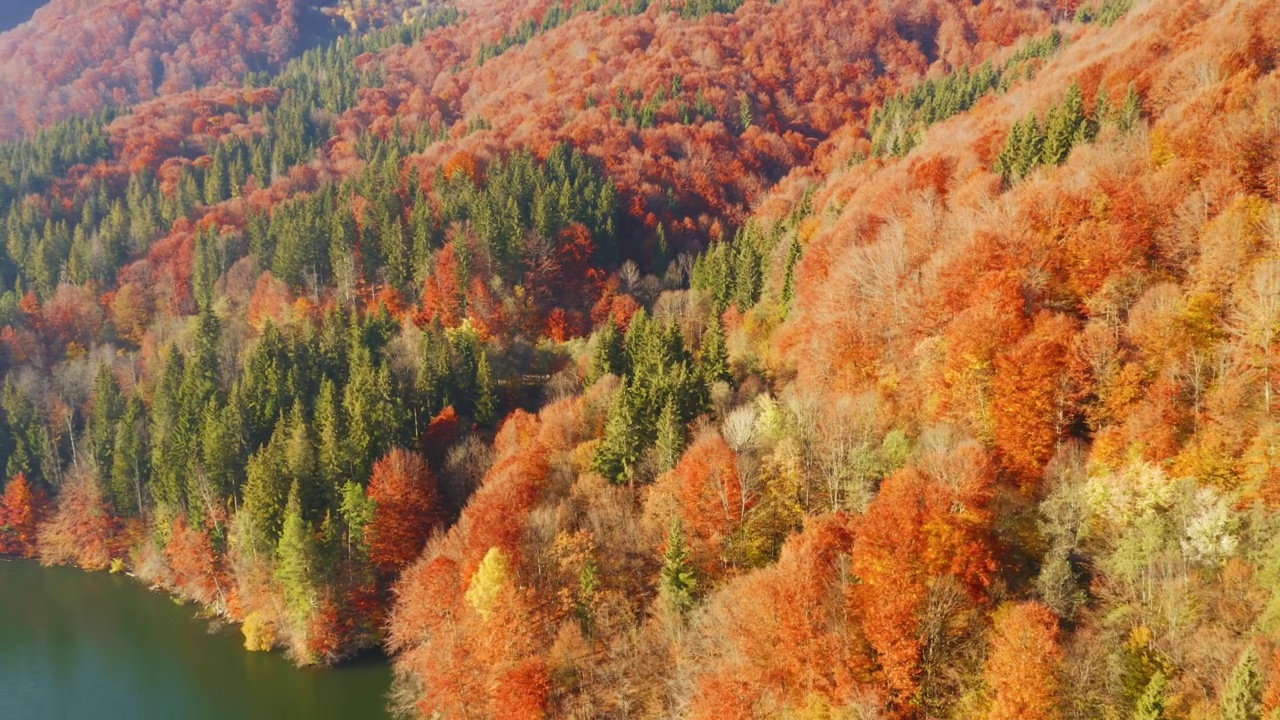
(702, 359)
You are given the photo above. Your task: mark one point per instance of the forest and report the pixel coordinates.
(664, 358)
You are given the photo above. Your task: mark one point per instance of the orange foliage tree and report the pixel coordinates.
(408, 509)
(1022, 668)
(1036, 396)
(21, 510)
(929, 527)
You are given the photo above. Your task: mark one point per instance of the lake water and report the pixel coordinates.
(93, 645)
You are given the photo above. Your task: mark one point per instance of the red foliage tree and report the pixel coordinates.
(22, 509)
(929, 524)
(408, 509)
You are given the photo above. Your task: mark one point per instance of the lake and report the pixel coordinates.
(93, 645)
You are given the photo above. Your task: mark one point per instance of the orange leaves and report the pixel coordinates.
(1022, 668)
(929, 524)
(22, 508)
(81, 531)
(408, 509)
(271, 302)
(779, 637)
(1036, 393)
(712, 502)
(194, 562)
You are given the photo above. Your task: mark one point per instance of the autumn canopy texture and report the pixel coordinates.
(693, 358)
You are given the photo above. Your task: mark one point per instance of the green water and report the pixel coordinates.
(93, 645)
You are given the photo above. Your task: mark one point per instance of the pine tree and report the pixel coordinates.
(108, 408)
(620, 449)
(679, 586)
(1242, 697)
(129, 460)
(1152, 703)
(713, 359)
(487, 394)
(297, 555)
(1131, 110)
(671, 437)
(609, 357)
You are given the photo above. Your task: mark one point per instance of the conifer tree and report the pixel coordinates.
(129, 460)
(671, 437)
(1242, 697)
(609, 357)
(679, 586)
(487, 394)
(108, 408)
(1152, 702)
(296, 555)
(713, 359)
(1131, 111)
(620, 449)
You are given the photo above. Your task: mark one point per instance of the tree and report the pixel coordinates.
(22, 509)
(407, 510)
(487, 395)
(679, 588)
(1022, 666)
(622, 443)
(1242, 696)
(1152, 702)
(296, 555)
(713, 360)
(672, 437)
(489, 582)
(609, 356)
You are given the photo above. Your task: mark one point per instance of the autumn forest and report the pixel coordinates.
(892, 359)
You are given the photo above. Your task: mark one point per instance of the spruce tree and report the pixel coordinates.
(1151, 705)
(1242, 697)
(713, 359)
(1131, 110)
(129, 460)
(679, 586)
(108, 408)
(622, 443)
(296, 554)
(486, 393)
(671, 437)
(609, 356)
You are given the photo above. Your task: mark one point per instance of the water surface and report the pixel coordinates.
(92, 645)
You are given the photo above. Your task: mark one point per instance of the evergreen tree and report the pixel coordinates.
(108, 409)
(622, 443)
(487, 395)
(1242, 697)
(747, 276)
(129, 460)
(679, 586)
(331, 461)
(1131, 111)
(297, 556)
(671, 436)
(372, 413)
(609, 357)
(713, 359)
(1152, 702)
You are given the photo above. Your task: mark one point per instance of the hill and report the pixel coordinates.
(706, 359)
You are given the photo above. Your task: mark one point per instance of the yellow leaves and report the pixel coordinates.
(1199, 320)
(1161, 147)
(493, 575)
(259, 633)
